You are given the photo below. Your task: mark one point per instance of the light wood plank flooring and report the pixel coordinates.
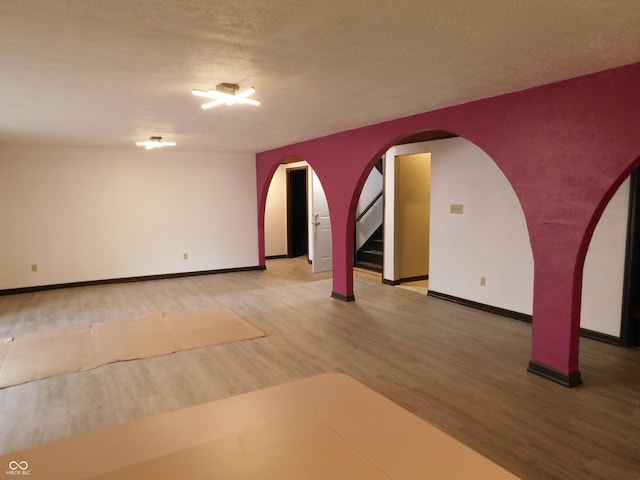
(462, 370)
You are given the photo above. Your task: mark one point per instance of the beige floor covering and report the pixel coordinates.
(328, 426)
(56, 352)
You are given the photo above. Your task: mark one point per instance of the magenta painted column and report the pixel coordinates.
(342, 271)
(342, 228)
(556, 308)
(339, 184)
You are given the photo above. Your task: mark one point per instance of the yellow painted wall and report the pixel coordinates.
(412, 206)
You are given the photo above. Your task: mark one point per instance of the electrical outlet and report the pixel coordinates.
(457, 208)
(34, 267)
(185, 256)
(483, 281)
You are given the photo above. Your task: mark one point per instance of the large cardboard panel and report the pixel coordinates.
(288, 449)
(5, 345)
(44, 354)
(402, 445)
(103, 451)
(209, 326)
(141, 337)
(327, 426)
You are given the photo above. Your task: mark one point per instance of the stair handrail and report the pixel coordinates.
(370, 206)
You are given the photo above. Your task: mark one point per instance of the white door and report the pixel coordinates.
(321, 227)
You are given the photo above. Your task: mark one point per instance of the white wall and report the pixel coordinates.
(490, 239)
(603, 274)
(275, 215)
(85, 214)
(388, 231)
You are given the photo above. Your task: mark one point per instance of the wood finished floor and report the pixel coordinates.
(462, 370)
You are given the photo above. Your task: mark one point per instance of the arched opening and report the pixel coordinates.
(296, 218)
(610, 306)
(475, 240)
(413, 173)
(603, 271)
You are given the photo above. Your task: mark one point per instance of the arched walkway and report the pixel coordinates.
(490, 240)
(564, 148)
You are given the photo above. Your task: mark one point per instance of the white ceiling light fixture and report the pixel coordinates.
(226, 93)
(155, 142)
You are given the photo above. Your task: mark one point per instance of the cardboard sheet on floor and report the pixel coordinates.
(193, 328)
(45, 354)
(142, 337)
(324, 427)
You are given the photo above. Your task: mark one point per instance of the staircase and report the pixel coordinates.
(370, 255)
(368, 241)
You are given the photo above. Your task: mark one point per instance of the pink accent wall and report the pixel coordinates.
(565, 148)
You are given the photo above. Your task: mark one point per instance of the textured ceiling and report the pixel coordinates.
(109, 73)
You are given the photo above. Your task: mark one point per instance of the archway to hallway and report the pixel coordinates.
(408, 176)
(478, 245)
(296, 218)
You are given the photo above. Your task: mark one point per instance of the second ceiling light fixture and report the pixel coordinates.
(226, 93)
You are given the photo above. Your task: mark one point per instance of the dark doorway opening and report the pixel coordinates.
(630, 328)
(297, 216)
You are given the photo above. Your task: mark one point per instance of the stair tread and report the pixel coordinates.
(373, 252)
(369, 266)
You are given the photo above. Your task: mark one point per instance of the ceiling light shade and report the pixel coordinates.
(155, 142)
(226, 93)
